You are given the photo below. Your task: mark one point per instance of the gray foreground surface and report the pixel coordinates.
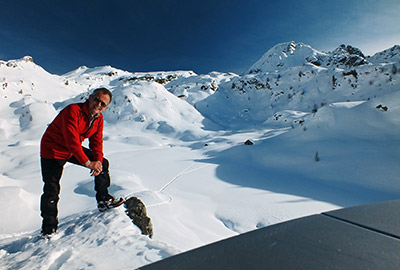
(363, 237)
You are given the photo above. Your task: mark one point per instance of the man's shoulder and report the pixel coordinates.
(74, 107)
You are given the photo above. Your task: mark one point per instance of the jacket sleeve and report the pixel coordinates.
(69, 127)
(96, 142)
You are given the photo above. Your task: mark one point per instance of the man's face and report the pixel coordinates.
(98, 103)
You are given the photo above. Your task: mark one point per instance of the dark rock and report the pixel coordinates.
(136, 210)
(248, 142)
(383, 108)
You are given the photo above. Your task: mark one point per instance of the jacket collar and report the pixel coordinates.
(85, 109)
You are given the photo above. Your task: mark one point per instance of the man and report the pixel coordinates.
(62, 142)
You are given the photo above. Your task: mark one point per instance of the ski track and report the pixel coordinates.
(176, 177)
(183, 172)
(158, 195)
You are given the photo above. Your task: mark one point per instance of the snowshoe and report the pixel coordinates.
(111, 203)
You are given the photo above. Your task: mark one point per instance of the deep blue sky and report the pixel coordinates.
(206, 35)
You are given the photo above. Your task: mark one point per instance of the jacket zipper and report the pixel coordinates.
(91, 124)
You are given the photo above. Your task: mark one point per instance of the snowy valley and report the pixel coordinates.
(322, 132)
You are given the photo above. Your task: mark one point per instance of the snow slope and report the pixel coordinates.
(324, 126)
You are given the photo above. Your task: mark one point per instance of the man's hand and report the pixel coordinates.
(95, 167)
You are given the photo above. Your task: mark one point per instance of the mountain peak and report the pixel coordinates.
(347, 56)
(347, 50)
(288, 47)
(27, 59)
(284, 55)
(25, 62)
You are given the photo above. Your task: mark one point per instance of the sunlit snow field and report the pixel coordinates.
(180, 148)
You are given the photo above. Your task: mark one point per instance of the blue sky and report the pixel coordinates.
(204, 36)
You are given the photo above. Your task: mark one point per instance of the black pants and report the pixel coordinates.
(51, 172)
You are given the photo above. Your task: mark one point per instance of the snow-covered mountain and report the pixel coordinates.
(324, 129)
(291, 54)
(297, 77)
(391, 55)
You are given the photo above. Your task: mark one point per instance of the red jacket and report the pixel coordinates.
(64, 136)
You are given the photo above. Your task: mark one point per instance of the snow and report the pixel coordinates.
(325, 137)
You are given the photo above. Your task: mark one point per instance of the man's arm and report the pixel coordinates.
(96, 141)
(70, 130)
(96, 145)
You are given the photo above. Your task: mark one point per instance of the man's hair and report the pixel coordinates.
(104, 91)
